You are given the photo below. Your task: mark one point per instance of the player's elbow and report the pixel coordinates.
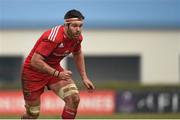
(34, 62)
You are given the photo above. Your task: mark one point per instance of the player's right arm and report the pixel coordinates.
(38, 62)
(47, 44)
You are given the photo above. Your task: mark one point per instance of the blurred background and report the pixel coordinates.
(131, 47)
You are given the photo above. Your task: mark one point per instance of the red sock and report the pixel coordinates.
(68, 113)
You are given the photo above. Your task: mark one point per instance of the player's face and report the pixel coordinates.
(75, 28)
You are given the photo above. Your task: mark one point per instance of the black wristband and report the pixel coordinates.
(58, 74)
(54, 72)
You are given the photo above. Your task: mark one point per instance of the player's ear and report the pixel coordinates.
(65, 26)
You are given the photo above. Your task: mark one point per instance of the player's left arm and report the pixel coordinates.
(80, 63)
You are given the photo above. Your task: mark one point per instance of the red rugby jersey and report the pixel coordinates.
(54, 45)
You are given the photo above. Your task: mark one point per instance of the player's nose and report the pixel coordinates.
(78, 29)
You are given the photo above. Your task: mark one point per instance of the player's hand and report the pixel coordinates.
(66, 74)
(89, 85)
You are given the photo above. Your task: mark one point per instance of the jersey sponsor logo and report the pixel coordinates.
(61, 45)
(67, 52)
(53, 33)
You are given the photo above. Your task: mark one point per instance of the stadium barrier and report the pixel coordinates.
(99, 102)
(164, 101)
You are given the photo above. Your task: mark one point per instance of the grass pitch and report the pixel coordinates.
(134, 116)
(114, 116)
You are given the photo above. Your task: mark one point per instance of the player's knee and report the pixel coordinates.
(76, 99)
(70, 95)
(68, 90)
(33, 111)
(73, 99)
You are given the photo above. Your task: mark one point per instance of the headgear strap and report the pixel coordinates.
(71, 19)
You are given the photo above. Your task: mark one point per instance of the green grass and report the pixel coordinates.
(135, 116)
(112, 85)
(114, 116)
(126, 85)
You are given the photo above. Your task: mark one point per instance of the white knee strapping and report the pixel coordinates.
(68, 90)
(33, 110)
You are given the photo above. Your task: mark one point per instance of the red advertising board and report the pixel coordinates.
(98, 102)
